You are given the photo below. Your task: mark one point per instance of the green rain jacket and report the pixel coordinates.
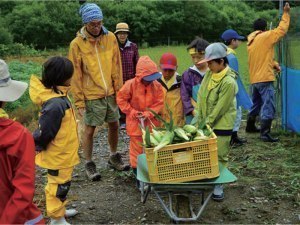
(218, 106)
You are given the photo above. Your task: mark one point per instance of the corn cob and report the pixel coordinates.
(181, 133)
(198, 138)
(190, 128)
(153, 141)
(199, 133)
(167, 139)
(157, 135)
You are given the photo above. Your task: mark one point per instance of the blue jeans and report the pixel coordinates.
(263, 98)
(238, 119)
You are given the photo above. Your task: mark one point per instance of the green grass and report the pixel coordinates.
(185, 61)
(22, 72)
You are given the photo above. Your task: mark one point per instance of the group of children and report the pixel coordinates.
(218, 100)
(56, 140)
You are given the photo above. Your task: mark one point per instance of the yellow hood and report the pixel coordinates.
(252, 36)
(39, 94)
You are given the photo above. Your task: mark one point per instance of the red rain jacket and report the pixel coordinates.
(17, 175)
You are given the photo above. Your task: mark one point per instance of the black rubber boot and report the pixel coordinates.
(251, 128)
(236, 141)
(265, 131)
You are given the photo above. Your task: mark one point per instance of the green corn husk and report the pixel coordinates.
(207, 132)
(199, 133)
(153, 141)
(181, 133)
(202, 124)
(167, 139)
(190, 128)
(157, 135)
(147, 137)
(198, 138)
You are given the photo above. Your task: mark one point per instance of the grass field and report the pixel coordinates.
(185, 61)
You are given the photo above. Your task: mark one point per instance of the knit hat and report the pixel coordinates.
(10, 90)
(168, 61)
(90, 12)
(122, 27)
(214, 51)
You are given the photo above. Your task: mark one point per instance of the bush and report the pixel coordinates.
(17, 49)
(5, 36)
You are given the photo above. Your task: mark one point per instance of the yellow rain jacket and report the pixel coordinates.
(97, 66)
(56, 138)
(261, 51)
(173, 99)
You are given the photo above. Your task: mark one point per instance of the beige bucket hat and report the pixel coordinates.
(10, 90)
(122, 27)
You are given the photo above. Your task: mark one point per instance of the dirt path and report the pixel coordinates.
(116, 200)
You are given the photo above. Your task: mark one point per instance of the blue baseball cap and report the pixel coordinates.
(152, 77)
(231, 34)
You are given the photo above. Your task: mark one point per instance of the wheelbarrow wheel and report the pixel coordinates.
(181, 207)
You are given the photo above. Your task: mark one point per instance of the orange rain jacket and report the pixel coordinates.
(261, 51)
(136, 97)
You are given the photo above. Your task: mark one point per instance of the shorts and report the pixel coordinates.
(101, 110)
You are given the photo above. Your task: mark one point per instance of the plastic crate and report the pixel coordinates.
(186, 161)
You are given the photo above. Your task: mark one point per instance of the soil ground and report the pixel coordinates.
(262, 194)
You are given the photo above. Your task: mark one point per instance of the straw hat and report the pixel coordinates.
(122, 27)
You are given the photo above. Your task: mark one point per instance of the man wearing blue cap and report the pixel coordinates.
(96, 80)
(232, 39)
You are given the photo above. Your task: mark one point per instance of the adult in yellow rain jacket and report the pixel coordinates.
(171, 82)
(261, 69)
(97, 78)
(135, 97)
(56, 138)
(217, 102)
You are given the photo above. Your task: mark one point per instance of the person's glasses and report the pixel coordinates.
(94, 24)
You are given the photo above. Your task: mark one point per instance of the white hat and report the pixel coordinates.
(10, 90)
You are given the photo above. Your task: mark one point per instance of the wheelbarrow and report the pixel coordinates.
(201, 190)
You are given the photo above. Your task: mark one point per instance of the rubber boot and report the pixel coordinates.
(251, 128)
(236, 141)
(265, 131)
(218, 194)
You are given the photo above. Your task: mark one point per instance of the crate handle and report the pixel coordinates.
(180, 150)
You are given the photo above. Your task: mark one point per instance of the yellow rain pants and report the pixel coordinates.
(57, 188)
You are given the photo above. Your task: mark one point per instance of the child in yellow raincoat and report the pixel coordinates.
(171, 82)
(56, 138)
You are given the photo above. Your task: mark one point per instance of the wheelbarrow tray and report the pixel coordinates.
(187, 188)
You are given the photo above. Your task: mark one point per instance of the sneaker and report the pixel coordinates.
(218, 194)
(123, 126)
(115, 161)
(142, 186)
(60, 221)
(71, 212)
(91, 171)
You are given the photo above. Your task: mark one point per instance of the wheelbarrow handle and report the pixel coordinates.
(142, 122)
